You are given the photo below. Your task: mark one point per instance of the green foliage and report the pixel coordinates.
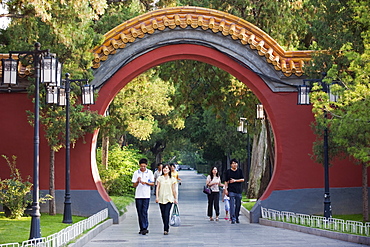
(121, 166)
(14, 190)
(343, 30)
(137, 107)
(203, 85)
(270, 16)
(53, 120)
(352, 127)
(56, 24)
(185, 151)
(212, 101)
(116, 14)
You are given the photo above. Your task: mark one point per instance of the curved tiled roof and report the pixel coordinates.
(289, 62)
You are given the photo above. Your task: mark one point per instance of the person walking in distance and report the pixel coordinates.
(157, 173)
(213, 181)
(175, 174)
(166, 195)
(142, 179)
(233, 180)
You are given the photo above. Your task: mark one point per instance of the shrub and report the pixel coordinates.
(121, 166)
(14, 190)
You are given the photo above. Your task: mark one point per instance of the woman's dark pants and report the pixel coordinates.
(165, 212)
(213, 201)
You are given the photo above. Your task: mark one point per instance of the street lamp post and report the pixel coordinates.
(42, 62)
(243, 128)
(303, 99)
(64, 100)
(243, 123)
(327, 202)
(67, 214)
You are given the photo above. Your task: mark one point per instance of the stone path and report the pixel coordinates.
(196, 230)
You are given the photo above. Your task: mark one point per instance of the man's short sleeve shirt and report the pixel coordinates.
(143, 190)
(234, 187)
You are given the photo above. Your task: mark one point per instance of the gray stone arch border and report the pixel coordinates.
(276, 80)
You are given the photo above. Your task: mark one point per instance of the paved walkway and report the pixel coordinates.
(196, 230)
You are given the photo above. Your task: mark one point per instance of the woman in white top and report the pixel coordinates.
(213, 182)
(166, 195)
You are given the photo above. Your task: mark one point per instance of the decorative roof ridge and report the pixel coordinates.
(289, 62)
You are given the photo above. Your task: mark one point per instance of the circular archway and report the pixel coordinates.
(229, 43)
(247, 53)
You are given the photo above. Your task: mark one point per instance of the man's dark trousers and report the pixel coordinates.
(142, 206)
(235, 204)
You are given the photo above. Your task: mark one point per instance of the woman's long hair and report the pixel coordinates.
(169, 167)
(211, 173)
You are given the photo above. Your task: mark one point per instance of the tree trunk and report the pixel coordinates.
(258, 163)
(269, 165)
(224, 166)
(104, 151)
(157, 151)
(365, 199)
(244, 167)
(52, 206)
(158, 158)
(270, 147)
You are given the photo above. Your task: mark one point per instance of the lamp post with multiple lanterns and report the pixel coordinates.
(303, 99)
(46, 69)
(61, 94)
(243, 128)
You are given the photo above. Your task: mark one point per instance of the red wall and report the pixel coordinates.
(291, 125)
(17, 138)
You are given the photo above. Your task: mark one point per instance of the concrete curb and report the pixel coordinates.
(245, 212)
(318, 232)
(92, 233)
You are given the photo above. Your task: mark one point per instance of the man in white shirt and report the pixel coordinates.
(142, 180)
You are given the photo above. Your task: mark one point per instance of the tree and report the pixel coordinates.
(270, 16)
(342, 31)
(137, 108)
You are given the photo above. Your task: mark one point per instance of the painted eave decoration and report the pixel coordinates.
(289, 62)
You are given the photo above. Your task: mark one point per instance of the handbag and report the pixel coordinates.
(207, 190)
(175, 217)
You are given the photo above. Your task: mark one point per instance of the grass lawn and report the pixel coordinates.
(355, 217)
(13, 231)
(248, 205)
(122, 202)
(17, 231)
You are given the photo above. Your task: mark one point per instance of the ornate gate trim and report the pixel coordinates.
(289, 62)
